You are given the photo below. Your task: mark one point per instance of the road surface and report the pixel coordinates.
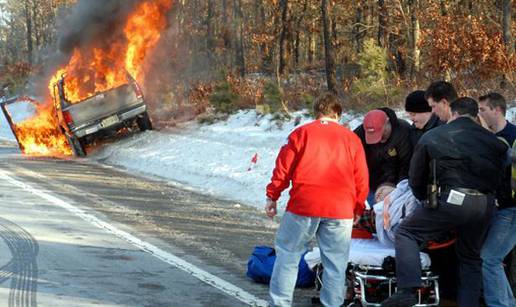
(77, 233)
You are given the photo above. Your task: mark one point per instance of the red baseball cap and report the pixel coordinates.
(374, 124)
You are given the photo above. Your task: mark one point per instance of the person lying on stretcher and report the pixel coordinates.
(392, 205)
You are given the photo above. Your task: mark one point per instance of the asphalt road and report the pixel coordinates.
(76, 233)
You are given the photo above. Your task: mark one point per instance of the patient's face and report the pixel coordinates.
(382, 192)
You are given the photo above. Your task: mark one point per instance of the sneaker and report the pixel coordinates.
(404, 297)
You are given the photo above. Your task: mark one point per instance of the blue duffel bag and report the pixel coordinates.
(261, 263)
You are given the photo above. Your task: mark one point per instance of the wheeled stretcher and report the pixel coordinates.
(371, 274)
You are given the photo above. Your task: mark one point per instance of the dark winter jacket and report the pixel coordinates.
(415, 133)
(389, 161)
(505, 195)
(466, 154)
(513, 175)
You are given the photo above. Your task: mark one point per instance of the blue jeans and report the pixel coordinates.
(500, 241)
(370, 198)
(292, 240)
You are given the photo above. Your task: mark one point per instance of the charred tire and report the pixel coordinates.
(77, 146)
(144, 122)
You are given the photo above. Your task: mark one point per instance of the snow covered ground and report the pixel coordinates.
(214, 159)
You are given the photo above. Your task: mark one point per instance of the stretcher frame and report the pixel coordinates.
(359, 275)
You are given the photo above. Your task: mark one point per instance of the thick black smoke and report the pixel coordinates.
(94, 23)
(89, 23)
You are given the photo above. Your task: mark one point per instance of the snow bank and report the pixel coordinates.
(214, 159)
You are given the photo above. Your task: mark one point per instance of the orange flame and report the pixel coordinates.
(40, 135)
(93, 70)
(96, 70)
(139, 35)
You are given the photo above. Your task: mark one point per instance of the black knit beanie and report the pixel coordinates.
(416, 103)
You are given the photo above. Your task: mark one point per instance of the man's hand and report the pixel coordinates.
(356, 219)
(271, 208)
(386, 216)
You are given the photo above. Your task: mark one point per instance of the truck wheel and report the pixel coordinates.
(144, 122)
(76, 145)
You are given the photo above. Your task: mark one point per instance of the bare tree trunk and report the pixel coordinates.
(37, 24)
(507, 35)
(414, 38)
(333, 21)
(28, 25)
(226, 33)
(369, 9)
(196, 43)
(331, 75)
(238, 25)
(357, 29)
(210, 32)
(183, 24)
(311, 46)
(467, 5)
(297, 41)
(442, 5)
(13, 50)
(382, 24)
(283, 37)
(259, 13)
(49, 35)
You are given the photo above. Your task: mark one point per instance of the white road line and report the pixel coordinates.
(171, 259)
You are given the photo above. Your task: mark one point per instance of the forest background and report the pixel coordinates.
(277, 55)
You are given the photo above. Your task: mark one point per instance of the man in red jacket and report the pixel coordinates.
(325, 162)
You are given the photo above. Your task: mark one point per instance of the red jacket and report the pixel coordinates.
(327, 166)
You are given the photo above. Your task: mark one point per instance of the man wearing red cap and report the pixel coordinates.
(386, 140)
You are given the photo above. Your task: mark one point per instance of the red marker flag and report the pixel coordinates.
(254, 159)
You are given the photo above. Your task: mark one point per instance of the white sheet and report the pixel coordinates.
(364, 252)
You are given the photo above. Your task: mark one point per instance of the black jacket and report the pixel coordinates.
(389, 161)
(505, 196)
(466, 154)
(416, 134)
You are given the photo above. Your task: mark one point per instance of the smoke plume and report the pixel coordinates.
(94, 23)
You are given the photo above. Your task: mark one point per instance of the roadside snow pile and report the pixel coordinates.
(215, 159)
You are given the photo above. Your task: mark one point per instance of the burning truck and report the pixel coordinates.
(81, 122)
(98, 89)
